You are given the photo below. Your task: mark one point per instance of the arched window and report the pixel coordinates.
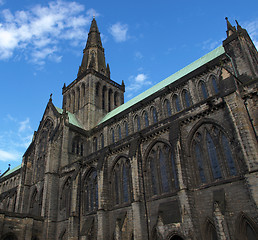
(112, 135)
(126, 129)
(116, 99)
(214, 84)
(137, 120)
(176, 102)
(186, 98)
(119, 132)
(83, 94)
(65, 201)
(146, 119)
(77, 146)
(203, 90)
(121, 182)
(211, 231)
(168, 108)
(161, 168)
(102, 140)
(154, 115)
(212, 153)
(104, 92)
(246, 228)
(90, 192)
(34, 203)
(78, 98)
(95, 144)
(97, 89)
(110, 93)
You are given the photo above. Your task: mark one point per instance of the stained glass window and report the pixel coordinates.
(125, 183)
(146, 118)
(153, 177)
(199, 158)
(168, 107)
(155, 115)
(177, 103)
(213, 157)
(173, 164)
(119, 133)
(187, 99)
(214, 84)
(228, 155)
(163, 172)
(204, 90)
(138, 123)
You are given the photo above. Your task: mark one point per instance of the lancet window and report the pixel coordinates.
(121, 181)
(161, 170)
(77, 146)
(90, 192)
(65, 201)
(168, 108)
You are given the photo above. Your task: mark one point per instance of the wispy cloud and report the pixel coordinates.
(9, 156)
(41, 29)
(136, 83)
(252, 28)
(15, 138)
(119, 32)
(1, 2)
(210, 44)
(138, 55)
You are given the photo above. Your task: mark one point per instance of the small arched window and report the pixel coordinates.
(119, 132)
(203, 90)
(121, 182)
(214, 84)
(168, 108)
(104, 93)
(95, 144)
(78, 98)
(102, 140)
(112, 135)
(186, 98)
(154, 115)
(176, 102)
(77, 146)
(126, 129)
(116, 99)
(110, 93)
(90, 192)
(146, 119)
(138, 123)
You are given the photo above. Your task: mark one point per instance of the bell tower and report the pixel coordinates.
(92, 94)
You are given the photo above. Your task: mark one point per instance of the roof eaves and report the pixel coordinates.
(176, 76)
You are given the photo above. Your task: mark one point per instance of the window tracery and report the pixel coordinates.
(65, 201)
(168, 108)
(161, 170)
(212, 153)
(121, 182)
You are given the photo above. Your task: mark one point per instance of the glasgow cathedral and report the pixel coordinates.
(177, 162)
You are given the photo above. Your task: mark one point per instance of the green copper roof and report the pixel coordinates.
(72, 119)
(11, 171)
(181, 73)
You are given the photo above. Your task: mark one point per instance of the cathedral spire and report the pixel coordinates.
(230, 28)
(93, 54)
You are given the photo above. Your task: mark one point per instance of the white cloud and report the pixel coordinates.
(252, 28)
(1, 2)
(41, 29)
(9, 156)
(138, 55)
(24, 125)
(136, 83)
(119, 32)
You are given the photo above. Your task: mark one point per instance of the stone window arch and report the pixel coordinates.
(137, 123)
(78, 98)
(119, 132)
(104, 93)
(102, 140)
(121, 182)
(203, 90)
(95, 144)
(126, 128)
(90, 192)
(112, 132)
(186, 98)
(212, 152)
(210, 232)
(168, 108)
(176, 103)
(154, 115)
(116, 98)
(161, 170)
(77, 146)
(65, 200)
(36, 203)
(246, 227)
(214, 83)
(110, 103)
(146, 118)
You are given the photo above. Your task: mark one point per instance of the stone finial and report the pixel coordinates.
(230, 29)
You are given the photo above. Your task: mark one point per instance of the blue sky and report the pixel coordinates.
(41, 44)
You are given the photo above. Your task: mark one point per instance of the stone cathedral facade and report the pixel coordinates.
(177, 162)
